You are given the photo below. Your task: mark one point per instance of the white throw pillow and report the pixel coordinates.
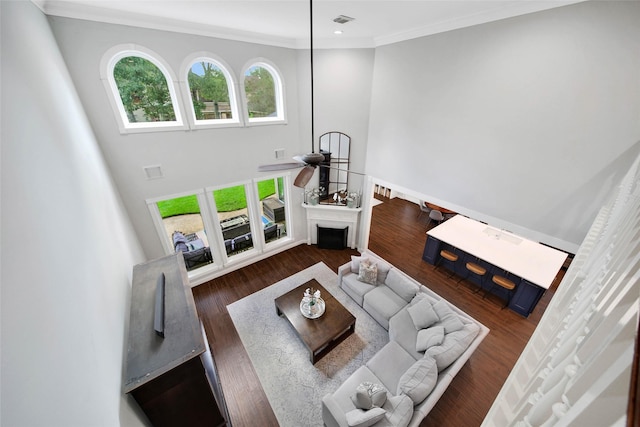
(368, 272)
(360, 418)
(429, 337)
(419, 380)
(448, 318)
(369, 395)
(423, 314)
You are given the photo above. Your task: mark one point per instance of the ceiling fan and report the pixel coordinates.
(309, 161)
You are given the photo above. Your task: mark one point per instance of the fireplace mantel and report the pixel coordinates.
(332, 216)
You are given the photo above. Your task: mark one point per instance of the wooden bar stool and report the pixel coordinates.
(449, 256)
(476, 269)
(504, 283)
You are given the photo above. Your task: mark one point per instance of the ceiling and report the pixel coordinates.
(286, 22)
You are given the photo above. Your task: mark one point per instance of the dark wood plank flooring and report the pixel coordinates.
(398, 235)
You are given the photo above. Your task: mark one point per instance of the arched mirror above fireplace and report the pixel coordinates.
(335, 146)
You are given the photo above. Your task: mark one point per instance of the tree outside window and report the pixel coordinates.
(261, 92)
(143, 90)
(209, 92)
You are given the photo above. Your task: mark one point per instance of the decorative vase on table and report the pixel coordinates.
(312, 305)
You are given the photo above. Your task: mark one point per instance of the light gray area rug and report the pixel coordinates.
(292, 384)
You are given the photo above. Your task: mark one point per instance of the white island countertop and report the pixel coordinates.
(532, 261)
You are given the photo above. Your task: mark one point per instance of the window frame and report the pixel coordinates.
(281, 111)
(287, 186)
(232, 86)
(108, 63)
(252, 213)
(165, 240)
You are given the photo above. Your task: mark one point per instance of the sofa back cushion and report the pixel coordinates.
(453, 345)
(449, 319)
(419, 380)
(399, 411)
(401, 285)
(389, 364)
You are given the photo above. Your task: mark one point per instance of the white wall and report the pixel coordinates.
(342, 82)
(190, 160)
(193, 160)
(67, 245)
(526, 123)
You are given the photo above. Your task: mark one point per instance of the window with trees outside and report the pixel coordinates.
(264, 94)
(145, 93)
(211, 87)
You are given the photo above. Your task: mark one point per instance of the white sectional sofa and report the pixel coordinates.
(429, 342)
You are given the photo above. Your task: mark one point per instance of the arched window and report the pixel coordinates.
(264, 93)
(212, 91)
(144, 95)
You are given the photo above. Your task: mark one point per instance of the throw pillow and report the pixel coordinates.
(360, 418)
(368, 272)
(429, 337)
(453, 345)
(419, 380)
(448, 318)
(355, 263)
(369, 395)
(423, 314)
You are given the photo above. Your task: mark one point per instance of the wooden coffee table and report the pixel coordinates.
(324, 333)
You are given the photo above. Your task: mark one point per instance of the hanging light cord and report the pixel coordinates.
(311, 56)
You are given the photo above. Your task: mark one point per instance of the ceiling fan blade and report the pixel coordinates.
(304, 176)
(280, 166)
(298, 158)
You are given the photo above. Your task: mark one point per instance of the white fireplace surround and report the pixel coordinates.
(332, 216)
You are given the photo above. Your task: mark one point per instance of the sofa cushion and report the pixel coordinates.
(360, 418)
(429, 337)
(383, 271)
(423, 314)
(389, 363)
(355, 263)
(368, 272)
(402, 331)
(369, 395)
(355, 288)
(342, 396)
(399, 411)
(419, 380)
(448, 318)
(381, 303)
(401, 284)
(453, 345)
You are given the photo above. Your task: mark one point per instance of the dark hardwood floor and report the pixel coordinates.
(398, 235)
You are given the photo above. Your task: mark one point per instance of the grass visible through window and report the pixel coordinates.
(227, 199)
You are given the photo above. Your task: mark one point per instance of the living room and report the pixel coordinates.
(67, 171)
